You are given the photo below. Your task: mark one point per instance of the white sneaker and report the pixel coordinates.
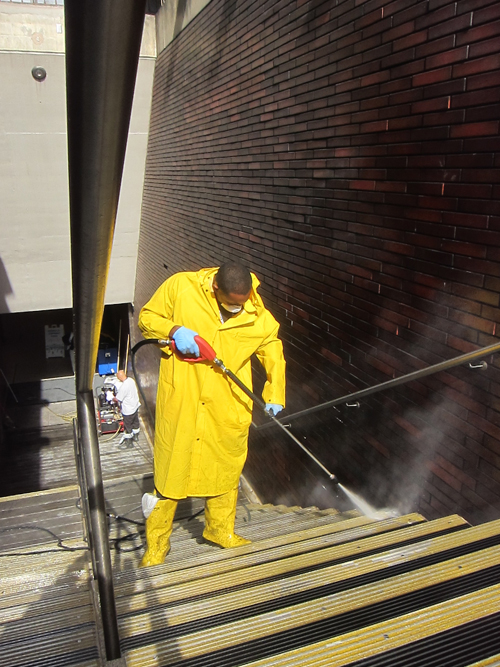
(149, 501)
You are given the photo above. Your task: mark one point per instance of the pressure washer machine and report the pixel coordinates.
(109, 416)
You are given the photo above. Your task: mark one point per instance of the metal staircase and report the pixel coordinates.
(315, 587)
(46, 606)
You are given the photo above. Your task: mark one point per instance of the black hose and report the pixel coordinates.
(137, 346)
(146, 341)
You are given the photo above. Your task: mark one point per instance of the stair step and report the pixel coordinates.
(34, 581)
(493, 661)
(75, 646)
(245, 569)
(39, 518)
(307, 592)
(251, 526)
(46, 605)
(225, 641)
(15, 630)
(24, 557)
(445, 624)
(69, 572)
(190, 554)
(259, 551)
(187, 539)
(315, 587)
(123, 496)
(34, 604)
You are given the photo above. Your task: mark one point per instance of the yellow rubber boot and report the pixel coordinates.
(220, 512)
(158, 530)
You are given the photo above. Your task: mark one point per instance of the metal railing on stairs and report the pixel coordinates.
(390, 384)
(102, 54)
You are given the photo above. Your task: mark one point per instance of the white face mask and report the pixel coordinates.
(231, 309)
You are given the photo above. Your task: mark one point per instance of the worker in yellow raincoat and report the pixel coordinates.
(202, 417)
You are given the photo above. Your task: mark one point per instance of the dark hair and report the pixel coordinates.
(234, 278)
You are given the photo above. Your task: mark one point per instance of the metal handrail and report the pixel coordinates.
(103, 42)
(389, 384)
(82, 484)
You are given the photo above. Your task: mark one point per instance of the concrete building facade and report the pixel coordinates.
(35, 272)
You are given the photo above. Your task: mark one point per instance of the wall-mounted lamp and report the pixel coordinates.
(39, 73)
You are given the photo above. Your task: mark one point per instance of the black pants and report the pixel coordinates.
(131, 421)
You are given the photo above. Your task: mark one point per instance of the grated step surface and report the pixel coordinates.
(300, 609)
(315, 587)
(46, 606)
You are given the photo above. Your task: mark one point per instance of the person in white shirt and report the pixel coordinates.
(128, 398)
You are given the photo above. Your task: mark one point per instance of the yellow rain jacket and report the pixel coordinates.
(202, 417)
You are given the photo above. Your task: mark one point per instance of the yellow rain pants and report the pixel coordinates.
(219, 520)
(202, 418)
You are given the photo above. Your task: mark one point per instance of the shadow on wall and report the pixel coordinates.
(407, 449)
(212, 66)
(5, 288)
(429, 446)
(226, 17)
(182, 7)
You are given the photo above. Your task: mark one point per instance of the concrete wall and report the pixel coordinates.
(34, 229)
(173, 16)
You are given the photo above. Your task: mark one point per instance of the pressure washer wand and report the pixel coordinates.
(207, 353)
(258, 401)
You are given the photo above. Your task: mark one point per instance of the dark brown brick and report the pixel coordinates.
(450, 26)
(434, 76)
(484, 129)
(486, 14)
(352, 159)
(477, 66)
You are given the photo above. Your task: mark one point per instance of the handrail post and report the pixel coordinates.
(103, 39)
(98, 523)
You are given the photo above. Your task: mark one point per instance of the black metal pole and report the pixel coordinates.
(261, 404)
(103, 40)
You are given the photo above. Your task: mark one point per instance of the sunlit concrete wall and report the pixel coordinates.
(348, 152)
(173, 16)
(34, 216)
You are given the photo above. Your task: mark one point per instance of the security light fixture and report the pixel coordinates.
(39, 73)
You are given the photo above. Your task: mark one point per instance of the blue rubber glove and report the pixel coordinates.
(185, 342)
(273, 408)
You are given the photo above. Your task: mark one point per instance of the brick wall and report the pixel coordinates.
(348, 151)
